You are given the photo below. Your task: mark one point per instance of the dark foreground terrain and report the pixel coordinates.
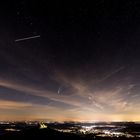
(49, 134)
(38, 134)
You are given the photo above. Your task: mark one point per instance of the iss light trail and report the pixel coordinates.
(27, 38)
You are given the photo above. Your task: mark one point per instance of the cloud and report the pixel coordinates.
(4, 104)
(28, 96)
(77, 96)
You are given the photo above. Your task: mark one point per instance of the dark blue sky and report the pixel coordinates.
(83, 66)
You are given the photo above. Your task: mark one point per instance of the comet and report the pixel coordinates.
(59, 90)
(27, 38)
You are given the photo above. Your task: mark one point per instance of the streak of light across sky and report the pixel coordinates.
(27, 38)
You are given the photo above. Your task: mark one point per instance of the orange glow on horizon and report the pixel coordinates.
(102, 117)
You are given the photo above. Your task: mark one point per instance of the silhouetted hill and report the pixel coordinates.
(41, 134)
(49, 134)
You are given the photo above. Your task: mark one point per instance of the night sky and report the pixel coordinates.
(77, 61)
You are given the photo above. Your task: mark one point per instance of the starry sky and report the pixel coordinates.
(84, 64)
